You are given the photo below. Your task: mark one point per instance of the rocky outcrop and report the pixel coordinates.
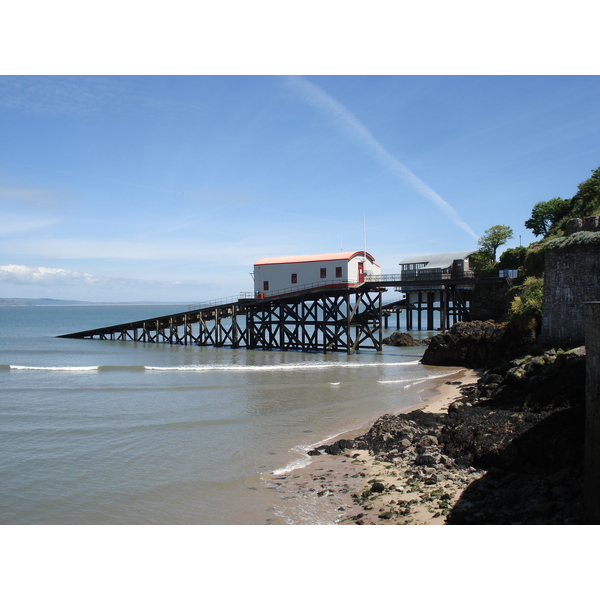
(524, 424)
(516, 436)
(477, 344)
(403, 339)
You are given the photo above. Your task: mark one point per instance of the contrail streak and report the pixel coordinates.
(314, 95)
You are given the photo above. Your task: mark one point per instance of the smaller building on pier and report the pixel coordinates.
(287, 274)
(449, 265)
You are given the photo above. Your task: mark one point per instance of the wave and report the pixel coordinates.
(73, 369)
(305, 458)
(202, 368)
(286, 367)
(412, 382)
(59, 368)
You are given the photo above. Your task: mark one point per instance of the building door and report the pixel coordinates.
(361, 272)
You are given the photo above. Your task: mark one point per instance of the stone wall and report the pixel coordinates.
(587, 224)
(591, 494)
(572, 277)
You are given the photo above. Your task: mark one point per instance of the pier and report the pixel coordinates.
(337, 316)
(332, 319)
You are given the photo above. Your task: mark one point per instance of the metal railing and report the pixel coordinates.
(330, 283)
(325, 283)
(222, 301)
(419, 276)
(405, 276)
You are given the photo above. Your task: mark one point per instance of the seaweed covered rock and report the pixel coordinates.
(403, 339)
(516, 438)
(393, 433)
(487, 426)
(524, 422)
(477, 344)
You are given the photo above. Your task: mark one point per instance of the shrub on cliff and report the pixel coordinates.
(526, 308)
(535, 260)
(511, 258)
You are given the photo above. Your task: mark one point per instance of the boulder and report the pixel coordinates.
(403, 339)
(477, 344)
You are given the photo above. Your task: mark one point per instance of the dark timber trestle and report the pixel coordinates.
(450, 302)
(333, 320)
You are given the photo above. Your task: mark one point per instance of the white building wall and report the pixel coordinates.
(308, 274)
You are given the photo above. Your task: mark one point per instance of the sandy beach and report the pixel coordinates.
(365, 490)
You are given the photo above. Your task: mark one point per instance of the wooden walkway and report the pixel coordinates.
(331, 318)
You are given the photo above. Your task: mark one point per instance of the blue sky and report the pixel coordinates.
(168, 188)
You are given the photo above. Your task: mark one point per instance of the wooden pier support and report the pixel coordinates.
(450, 303)
(338, 320)
(342, 321)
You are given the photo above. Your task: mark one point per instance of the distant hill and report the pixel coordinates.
(54, 302)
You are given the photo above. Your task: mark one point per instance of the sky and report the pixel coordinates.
(169, 188)
(154, 153)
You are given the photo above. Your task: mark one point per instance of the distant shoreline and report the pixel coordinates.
(26, 302)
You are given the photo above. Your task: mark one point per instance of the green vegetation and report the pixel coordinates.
(526, 308)
(545, 215)
(512, 258)
(548, 219)
(492, 239)
(534, 261)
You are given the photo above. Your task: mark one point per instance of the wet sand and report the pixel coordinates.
(340, 488)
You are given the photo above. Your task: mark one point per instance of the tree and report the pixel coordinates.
(545, 215)
(550, 218)
(512, 258)
(480, 263)
(492, 239)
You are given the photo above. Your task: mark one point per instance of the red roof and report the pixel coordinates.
(311, 258)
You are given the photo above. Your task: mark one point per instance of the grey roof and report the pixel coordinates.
(437, 261)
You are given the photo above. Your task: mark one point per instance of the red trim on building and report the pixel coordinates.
(306, 258)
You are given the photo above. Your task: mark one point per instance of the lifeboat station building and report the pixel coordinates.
(287, 274)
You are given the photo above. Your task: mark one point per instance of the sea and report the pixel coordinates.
(130, 433)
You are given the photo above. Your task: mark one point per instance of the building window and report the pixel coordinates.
(323, 273)
(265, 286)
(294, 277)
(338, 271)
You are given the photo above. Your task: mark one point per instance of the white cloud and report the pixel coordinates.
(346, 121)
(44, 276)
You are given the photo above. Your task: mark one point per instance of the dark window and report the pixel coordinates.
(294, 277)
(266, 286)
(323, 273)
(338, 271)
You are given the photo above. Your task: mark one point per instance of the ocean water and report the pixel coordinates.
(110, 432)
